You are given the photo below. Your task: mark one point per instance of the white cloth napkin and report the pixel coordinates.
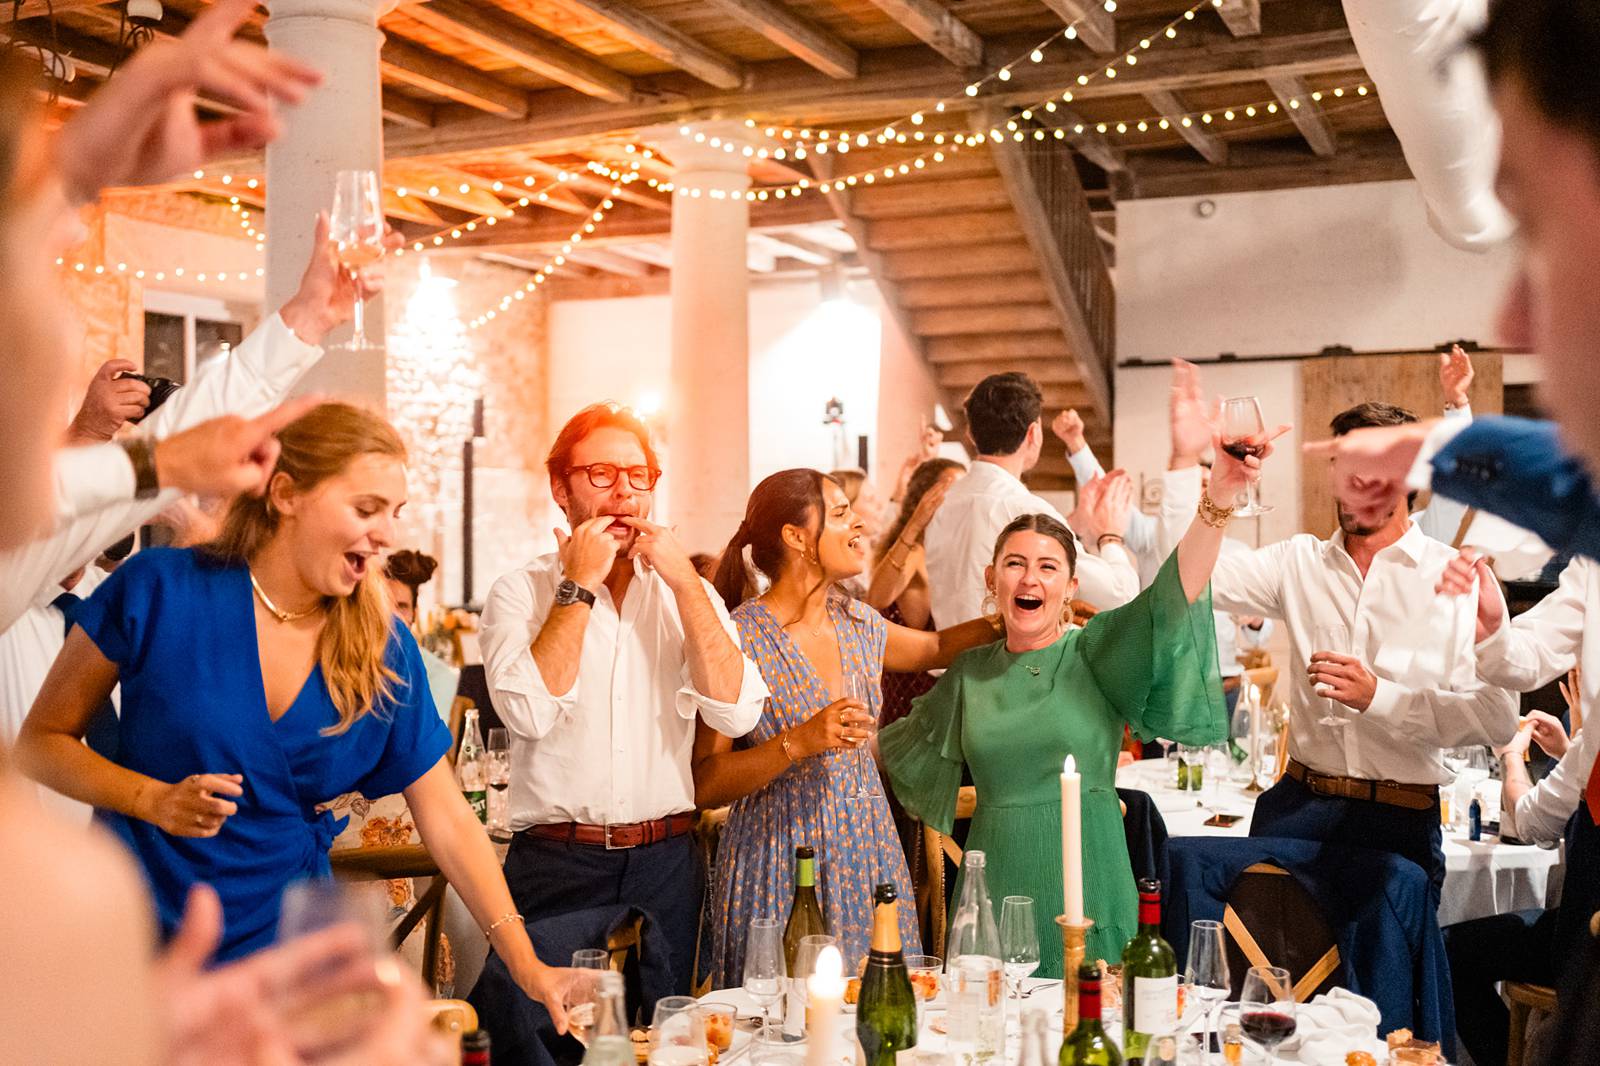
(1332, 1025)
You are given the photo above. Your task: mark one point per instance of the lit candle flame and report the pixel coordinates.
(1070, 766)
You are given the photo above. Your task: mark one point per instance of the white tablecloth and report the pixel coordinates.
(1482, 877)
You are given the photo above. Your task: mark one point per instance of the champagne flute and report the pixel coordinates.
(1334, 638)
(1205, 974)
(356, 228)
(324, 1005)
(1243, 435)
(1019, 941)
(497, 761)
(678, 1033)
(1266, 1008)
(763, 965)
(859, 687)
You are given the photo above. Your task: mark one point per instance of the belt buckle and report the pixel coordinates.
(606, 839)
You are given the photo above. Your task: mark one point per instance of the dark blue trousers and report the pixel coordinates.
(549, 878)
(1483, 952)
(1290, 809)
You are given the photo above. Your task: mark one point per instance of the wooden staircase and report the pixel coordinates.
(991, 263)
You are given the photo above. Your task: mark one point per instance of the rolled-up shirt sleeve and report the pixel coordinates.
(730, 719)
(1540, 815)
(1542, 643)
(512, 617)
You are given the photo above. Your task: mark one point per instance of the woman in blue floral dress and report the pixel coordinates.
(799, 777)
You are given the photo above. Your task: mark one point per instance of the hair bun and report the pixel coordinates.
(410, 567)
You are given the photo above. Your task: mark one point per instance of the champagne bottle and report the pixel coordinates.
(1149, 979)
(1088, 1044)
(805, 919)
(886, 1017)
(471, 766)
(609, 1043)
(978, 1015)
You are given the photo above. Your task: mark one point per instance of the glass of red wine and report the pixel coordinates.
(1245, 434)
(1266, 1008)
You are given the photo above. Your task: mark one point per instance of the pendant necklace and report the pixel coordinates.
(277, 612)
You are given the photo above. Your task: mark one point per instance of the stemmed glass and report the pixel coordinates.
(581, 998)
(1243, 435)
(356, 228)
(857, 687)
(1206, 973)
(805, 964)
(1019, 941)
(678, 1033)
(1334, 638)
(497, 757)
(1266, 1007)
(763, 964)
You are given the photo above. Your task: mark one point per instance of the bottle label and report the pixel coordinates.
(1155, 1005)
(478, 800)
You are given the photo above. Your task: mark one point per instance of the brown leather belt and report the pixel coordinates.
(616, 837)
(1392, 793)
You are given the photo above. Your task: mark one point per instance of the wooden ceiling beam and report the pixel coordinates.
(513, 40)
(1294, 95)
(1096, 27)
(39, 8)
(668, 44)
(610, 262)
(597, 185)
(1258, 166)
(1213, 148)
(404, 111)
(805, 250)
(804, 40)
(932, 23)
(1242, 17)
(630, 224)
(439, 74)
(1091, 144)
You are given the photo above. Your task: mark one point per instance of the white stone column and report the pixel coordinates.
(709, 413)
(339, 127)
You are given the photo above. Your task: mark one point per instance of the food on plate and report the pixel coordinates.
(719, 1025)
(1360, 1058)
(924, 983)
(852, 990)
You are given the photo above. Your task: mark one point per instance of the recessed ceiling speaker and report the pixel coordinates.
(145, 12)
(1205, 208)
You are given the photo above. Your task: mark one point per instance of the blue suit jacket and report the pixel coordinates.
(1517, 468)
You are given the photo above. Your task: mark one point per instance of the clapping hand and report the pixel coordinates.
(1110, 506)
(926, 508)
(1455, 376)
(1068, 428)
(1192, 419)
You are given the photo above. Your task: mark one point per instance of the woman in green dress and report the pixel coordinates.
(1012, 711)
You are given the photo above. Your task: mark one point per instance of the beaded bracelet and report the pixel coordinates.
(502, 920)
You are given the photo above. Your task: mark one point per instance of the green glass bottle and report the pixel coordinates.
(1088, 1044)
(886, 1017)
(1149, 979)
(805, 913)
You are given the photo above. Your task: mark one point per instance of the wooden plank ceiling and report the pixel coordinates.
(982, 257)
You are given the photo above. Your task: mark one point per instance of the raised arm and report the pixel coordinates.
(900, 563)
(913, 651)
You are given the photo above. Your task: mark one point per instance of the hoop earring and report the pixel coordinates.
(990, 609)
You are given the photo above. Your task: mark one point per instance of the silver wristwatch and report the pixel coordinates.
(570, 592)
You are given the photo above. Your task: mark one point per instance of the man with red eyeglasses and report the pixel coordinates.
(600, 656)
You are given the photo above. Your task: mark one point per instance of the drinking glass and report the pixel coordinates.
(805, 959)
(1266, 1007)
(1019, 941)
(858, 687)
(771, 1047)
(580, 1000)
(1334, 638)
(324, 1004)
(1205, 975)
(356, 228)
(678, 1033)
(763, 964)
(924, 971)
(1244, 434)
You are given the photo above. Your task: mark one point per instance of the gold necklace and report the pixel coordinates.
(277, 612)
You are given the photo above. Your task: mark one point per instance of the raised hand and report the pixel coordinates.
(1455, 376)
(1192, 419)
(227, 455)
(1456, 580)
(588, 554)
(1369, 466)
(1109, 510)
(1230, 476)
(110, 402)
(661, 550)
(193, 807)
(1548, 733)
(328, 292)
(923, 513)
(1068, 428)
(1081, 520)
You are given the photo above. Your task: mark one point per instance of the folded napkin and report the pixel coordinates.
(1332, 1025)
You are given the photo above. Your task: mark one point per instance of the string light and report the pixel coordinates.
(553, 264)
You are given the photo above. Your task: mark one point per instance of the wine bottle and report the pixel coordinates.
(978, 1014)
(805, 919)
(609, 1042)
(886, 1017)
(1149, 979)
(472, 771)
(1088, 1044)
(475, 1048)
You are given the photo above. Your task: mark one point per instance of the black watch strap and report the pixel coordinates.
(141, 453)
(570, 592)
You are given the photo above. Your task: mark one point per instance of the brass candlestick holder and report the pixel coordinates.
(1073, 949)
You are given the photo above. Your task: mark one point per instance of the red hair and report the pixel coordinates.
(594, 417)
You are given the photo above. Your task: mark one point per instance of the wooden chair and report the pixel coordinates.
(1266, 902)
(1082, 611)
(453, 1016)
(1264, 678)
(1524, 1000)
(401, 861)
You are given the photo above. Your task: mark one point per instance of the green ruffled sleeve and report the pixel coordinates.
(922, 753)
(1155, 661)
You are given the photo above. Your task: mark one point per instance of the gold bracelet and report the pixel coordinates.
(502, 920)
(900, 563)
(1212, 515)
(783, 742)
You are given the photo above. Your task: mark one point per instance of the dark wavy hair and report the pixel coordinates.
(1000, 409)
(923, 478)
(1045, 525)
(787, 498)
(411, 568)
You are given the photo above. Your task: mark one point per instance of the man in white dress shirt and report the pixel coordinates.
(1405, 688)
(1531, 650)
(601, 657)
(1003, 422)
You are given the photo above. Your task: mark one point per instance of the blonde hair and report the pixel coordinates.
(350, 649)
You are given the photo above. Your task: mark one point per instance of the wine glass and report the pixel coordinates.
(1244, 435)
(1019, 941)
(678, 1033)
(356, 228)
(858, 687)
(1266, 1007)
(1205, 974)
(763, 964)
(497, 761)
(323, 1003)
(1334, 638)
(580, 1001)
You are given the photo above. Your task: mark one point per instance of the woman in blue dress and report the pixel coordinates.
(263, 675)
(797, 778)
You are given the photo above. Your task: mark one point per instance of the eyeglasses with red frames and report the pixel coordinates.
(605, 475)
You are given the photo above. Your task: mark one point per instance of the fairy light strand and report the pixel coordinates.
(551, 265)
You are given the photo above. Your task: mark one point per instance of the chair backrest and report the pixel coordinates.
(453, 1016)
(1264, 678)
(1082, 611)
(1272, 921)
